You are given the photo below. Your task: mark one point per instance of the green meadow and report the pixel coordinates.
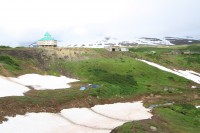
(119, 76)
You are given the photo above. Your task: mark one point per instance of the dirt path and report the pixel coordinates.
(4, 71)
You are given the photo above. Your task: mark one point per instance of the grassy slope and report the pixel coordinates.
(165, 57)
(177, 118)
(113, 74)
(18, 61)
(124, 76)
(119, 76)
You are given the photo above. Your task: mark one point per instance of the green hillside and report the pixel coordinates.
(119, 77)
(180, 57)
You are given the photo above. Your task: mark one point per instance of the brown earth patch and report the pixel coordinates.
(4, 71)
(10, 107)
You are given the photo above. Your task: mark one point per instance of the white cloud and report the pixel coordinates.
(124, 19)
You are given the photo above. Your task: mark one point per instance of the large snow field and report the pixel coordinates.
(77, 120)
(43, 123)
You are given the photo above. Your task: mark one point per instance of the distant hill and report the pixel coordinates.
(179, 41)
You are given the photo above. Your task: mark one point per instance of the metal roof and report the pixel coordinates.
(47, 37)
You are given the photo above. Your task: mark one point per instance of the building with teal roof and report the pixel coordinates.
(47, 41)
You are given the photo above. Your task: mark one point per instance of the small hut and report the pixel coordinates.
(123, 49)
(113, 48)
(116, 48)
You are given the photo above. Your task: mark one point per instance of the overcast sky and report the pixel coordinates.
(88, 21)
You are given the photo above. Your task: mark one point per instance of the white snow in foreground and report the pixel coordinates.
(9, 88)
(77, 120)
(191, 75)
(43, 123)
(87, 117)
(41, 82)
(124, 111)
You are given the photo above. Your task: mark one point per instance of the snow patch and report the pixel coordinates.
(9, 88)
(124, 111)
(85, 116)
(41, 82)
(99, 119)
(188, 74)
(42, 123)
(194, 87)
(197, 107)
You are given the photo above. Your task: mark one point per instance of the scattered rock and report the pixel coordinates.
(169, 89)
(154, 129)
(166, 89)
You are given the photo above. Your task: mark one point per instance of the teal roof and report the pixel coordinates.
(47, 37)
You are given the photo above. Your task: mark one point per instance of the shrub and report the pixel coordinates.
(115, 79)
(2, 46)
(186, 109)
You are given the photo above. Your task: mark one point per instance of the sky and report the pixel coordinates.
(89, 21)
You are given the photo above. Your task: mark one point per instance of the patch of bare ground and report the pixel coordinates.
(146, 126)
(4, 71)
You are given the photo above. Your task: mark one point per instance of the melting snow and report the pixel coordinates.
(42, 123)
(194, 87)
(11, 86)
(41, 82)
(99, 119)
(191, 75)
(85, 116)
(124, 111)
